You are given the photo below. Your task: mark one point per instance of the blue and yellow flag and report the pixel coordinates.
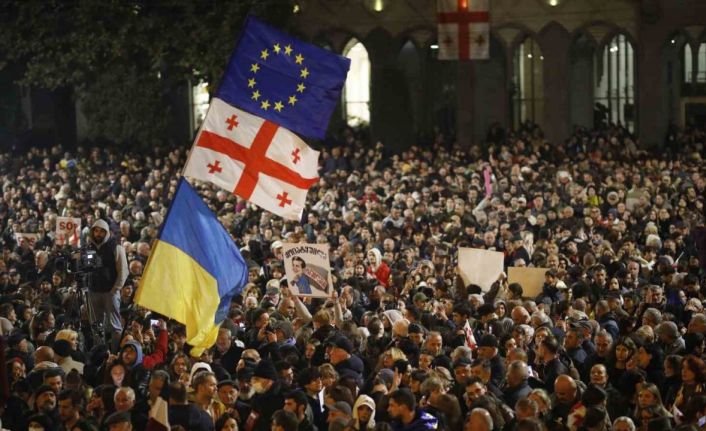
(194, 269)
(289, 82)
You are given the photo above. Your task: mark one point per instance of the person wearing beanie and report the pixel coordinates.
(45, 403)
(342, 358)
(268, 396)
(488, 349)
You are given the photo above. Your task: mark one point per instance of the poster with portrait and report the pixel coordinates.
(308, 269)
(480, 267)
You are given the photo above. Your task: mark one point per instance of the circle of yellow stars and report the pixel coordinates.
(278, 105)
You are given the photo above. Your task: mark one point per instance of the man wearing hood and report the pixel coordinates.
(139, 365)
(108, 279)
(364, 413)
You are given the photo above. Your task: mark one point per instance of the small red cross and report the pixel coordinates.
(463, 17)
(215, 167)
(283, 199)
(296, 157)
(480, 40)
(231, 122)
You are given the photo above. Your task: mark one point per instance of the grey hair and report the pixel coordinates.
(627, 420)
(128, 390)
(461, 352)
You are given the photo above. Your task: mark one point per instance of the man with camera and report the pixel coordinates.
(107, 279)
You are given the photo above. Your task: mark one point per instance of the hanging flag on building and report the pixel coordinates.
(194, 269)
(463, 30)
(284, 80)
(254, 158)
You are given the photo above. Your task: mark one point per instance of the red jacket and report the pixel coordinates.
(382, 274)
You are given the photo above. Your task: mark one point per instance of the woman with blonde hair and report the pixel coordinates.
(648, 396)
(388, 359)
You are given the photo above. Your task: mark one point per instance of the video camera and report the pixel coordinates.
(83, 261)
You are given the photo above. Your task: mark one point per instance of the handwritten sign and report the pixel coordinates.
(68, 231)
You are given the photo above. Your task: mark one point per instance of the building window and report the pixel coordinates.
(528, 95)
(199, 106)
(356, 94)
(701, 64)
(688, 64)
(615, 84)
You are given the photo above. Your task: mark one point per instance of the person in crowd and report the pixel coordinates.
(404, 341)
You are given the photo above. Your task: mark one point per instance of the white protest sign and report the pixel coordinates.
(30, 238)
(481, 267)
(68, 231)
(308, 269)
(531, 279)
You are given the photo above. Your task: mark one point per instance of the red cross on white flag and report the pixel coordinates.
(463, 30)
(255, 159)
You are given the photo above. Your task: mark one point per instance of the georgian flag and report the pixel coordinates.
(255, 159)
(463, 29)
(470, 338)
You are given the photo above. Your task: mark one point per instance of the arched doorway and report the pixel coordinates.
(528, 83)
(356, 93)
(615, 83)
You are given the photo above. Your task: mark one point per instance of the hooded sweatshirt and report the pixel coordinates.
(120, 258)
(380, 270)
(158, 357)
(363, 400)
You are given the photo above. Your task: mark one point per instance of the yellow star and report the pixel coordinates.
(278, 106)
(276, 48)
(254, 68)
(299, 59)
(292, 100)
(288, 49)
(265, 104)
(300, 88)
(255, 95)
(264, 54)
(304, 73)
(251, 82)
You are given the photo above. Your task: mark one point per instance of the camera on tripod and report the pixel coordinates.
(83, 261)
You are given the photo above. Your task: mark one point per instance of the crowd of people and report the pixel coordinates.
(615, 339)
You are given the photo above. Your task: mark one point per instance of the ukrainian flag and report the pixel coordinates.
(194, 269)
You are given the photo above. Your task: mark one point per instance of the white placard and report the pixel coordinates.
(481, 267)
(308, 269)
(68, 231)
(31, 238)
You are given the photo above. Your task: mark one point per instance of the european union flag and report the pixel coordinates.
(284, 80)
